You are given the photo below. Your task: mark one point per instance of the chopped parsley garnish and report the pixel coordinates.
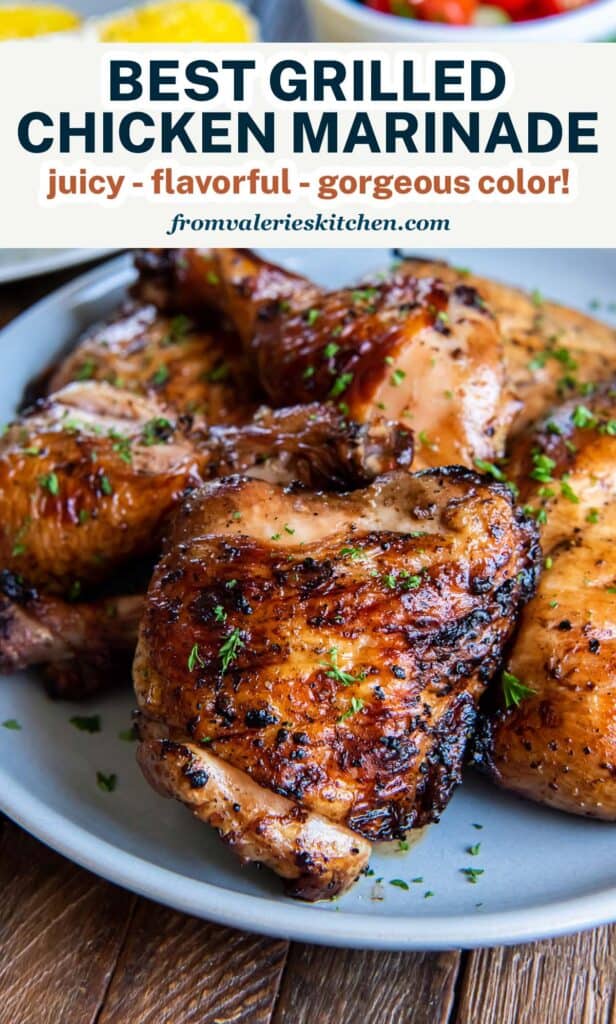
(400, 883)
(312, 316)
(474, 850)
(308, 372)
(567, 491)
(160, 377)
(86, 723)
(11, 723)
(592, 515)
(107, 783)
(536, 297)
(490, 469)
(514, 690)
(335, 672)
(330, 350)
(340, 385)
(356, 705)
(397, 377)
(428, 894)
(83, 516)
(230, 649)
(403, 845)
(472, 874)
(364, 294)
(542, 467)
(49, 482)
(195, 659)
(121, 446)
(220, 614)
(86, 370)
(218, 373)
(355, 554)
(289, 529)
(156, 431)
(583, 417)
(106, 487)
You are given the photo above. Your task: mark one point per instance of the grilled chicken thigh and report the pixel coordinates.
(551, 352)
(188, 369)
(328, 650)
(554, 737)
(418, 351)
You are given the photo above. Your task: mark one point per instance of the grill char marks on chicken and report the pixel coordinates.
(418, 351)
(125, 469)
(557, 745)
(189, 369)
(550, 351)
(333, 648)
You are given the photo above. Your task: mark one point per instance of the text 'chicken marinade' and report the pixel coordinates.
(355, 537)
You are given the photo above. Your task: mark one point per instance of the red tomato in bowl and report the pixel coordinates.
(450, 12)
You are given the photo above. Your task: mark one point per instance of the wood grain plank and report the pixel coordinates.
(61, 930)
(322, 986)
(562, 981)
(179, 970)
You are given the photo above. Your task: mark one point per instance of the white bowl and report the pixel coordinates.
(348, 21)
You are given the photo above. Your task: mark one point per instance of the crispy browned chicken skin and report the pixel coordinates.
(87, 483)
(556, 742)
(331, 647)
(415, 350)
(188, 368)
(551, 352)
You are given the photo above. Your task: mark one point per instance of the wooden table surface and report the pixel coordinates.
(76, 950)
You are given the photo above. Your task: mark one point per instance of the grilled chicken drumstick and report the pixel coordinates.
(309, 664)
(414, 350)
(554, 738)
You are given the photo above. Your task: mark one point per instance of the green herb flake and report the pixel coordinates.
(514, 690)
(338, 674)
(397, 377)
(12, 724)
(399, 883)
(106, 487)
(312, 316)
(330, 350)
(106, 783)
(220, 614)
(86, 723)
(49, 482)
(195, 659)
(356, 706)
(230, 649)
(472, 874)
(340, 385)
(474, 850)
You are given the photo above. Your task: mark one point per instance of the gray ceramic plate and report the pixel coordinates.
(544, 873)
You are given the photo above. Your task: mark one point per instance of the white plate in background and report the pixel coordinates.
(545, 873)
(16, 264)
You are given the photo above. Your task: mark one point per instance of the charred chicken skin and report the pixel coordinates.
(328, 649)
(87, 482)
(551, 352)
(185, 367)
(414, 350)
(553, 739)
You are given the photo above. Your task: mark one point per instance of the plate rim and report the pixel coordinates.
(260, 914)
(49, 265)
